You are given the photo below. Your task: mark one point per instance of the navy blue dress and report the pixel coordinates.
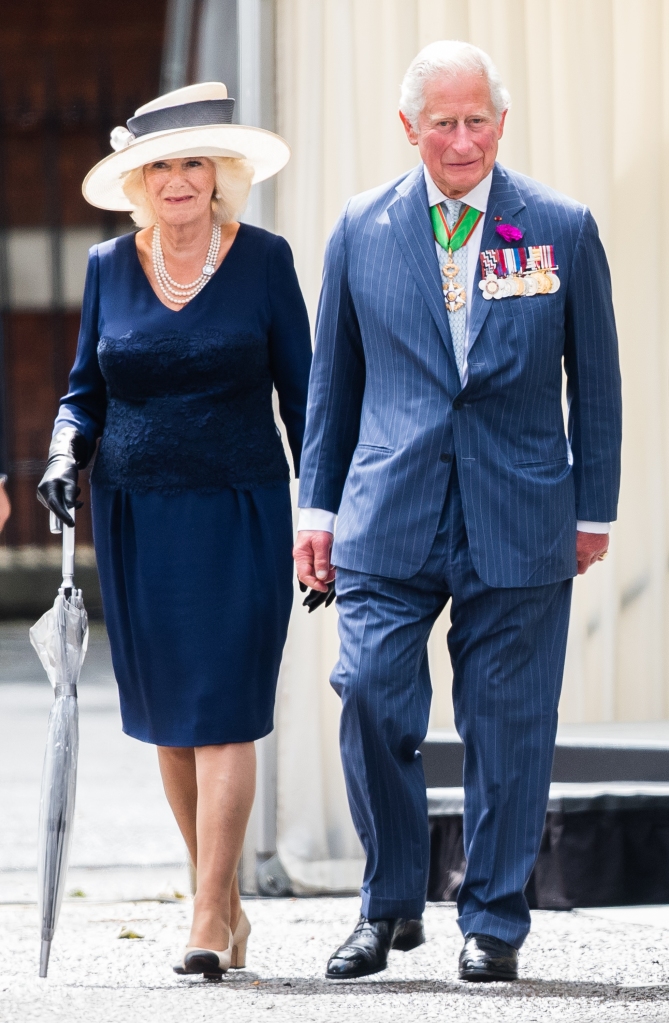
(190, 488)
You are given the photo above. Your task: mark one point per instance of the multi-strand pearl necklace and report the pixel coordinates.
(177, 293)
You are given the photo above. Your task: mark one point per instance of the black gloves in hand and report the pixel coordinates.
(58, 488)
(315, 598)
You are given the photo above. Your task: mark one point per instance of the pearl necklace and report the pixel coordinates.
(180, 294)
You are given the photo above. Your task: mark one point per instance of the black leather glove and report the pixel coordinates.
(58, 488)
(315, 598)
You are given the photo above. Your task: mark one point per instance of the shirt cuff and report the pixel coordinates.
(593, 527)
(316, 518)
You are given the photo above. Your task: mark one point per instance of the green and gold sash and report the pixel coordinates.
(451, 240)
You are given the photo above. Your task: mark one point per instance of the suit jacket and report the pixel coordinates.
(388, 416)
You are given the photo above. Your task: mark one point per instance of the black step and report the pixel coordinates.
(584, 761)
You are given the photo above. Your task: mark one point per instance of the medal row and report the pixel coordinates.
(538, 282)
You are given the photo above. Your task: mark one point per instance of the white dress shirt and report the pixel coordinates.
(318, 518)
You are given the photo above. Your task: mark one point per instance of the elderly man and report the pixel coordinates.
(451, 300)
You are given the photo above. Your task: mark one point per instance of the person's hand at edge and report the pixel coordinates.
(312, 558)
(590, 548)
(5, 505)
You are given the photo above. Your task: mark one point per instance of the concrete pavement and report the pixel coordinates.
(128, 871)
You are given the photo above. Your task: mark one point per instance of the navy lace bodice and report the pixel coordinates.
(183, 400)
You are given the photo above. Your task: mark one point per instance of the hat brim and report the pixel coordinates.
(267, 152)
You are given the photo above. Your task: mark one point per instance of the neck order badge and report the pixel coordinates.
(452, 239)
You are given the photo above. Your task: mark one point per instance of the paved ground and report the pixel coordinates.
(128, 871)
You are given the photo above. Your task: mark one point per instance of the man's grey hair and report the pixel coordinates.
(452, 58)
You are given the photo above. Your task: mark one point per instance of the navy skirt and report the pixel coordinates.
(197, 592)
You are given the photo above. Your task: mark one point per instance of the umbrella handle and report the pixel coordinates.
(68, 556)
(56, 526)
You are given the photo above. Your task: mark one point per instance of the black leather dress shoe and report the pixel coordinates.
(366, 950)
(486, 958)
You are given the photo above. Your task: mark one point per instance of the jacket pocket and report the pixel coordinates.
(545, 463)
(377, 447)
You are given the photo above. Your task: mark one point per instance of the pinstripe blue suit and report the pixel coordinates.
(461, 493)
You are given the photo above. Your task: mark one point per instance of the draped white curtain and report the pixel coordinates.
(589, 81)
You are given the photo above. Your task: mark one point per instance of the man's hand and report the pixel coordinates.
(312, 558)
(5, 507)
(589, 549)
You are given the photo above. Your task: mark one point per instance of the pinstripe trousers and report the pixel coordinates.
(507, 647)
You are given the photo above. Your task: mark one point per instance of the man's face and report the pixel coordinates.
(458, 132)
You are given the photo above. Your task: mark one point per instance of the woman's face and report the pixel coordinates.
(181, 190)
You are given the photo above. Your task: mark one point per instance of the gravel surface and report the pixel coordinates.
(574, 967)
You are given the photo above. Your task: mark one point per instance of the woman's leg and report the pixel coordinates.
(210, 790)
(225, 786)
(177, 768)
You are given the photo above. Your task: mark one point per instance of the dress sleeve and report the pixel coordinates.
(85, 404)
(289, 345)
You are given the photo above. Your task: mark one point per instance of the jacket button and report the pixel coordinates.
(445, 457)
(457, 404)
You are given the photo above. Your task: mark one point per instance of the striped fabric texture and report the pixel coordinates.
(387, 413)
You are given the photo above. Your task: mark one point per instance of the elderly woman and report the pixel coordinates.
(186, 327)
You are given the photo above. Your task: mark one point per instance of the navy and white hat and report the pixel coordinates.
(193, 121)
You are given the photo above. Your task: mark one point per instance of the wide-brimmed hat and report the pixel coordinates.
(193, 121)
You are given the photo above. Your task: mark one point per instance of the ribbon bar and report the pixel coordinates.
(505, 262)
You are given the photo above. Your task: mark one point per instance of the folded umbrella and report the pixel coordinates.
(60, 638)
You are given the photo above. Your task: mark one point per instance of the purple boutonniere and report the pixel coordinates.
(509, 232)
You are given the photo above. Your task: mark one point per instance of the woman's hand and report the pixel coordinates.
(58, 488)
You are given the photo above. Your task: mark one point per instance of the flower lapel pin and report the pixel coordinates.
(509, 232)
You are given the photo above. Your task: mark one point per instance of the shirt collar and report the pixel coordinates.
(477, 198)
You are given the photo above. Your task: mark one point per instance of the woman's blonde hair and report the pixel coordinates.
(231, 191)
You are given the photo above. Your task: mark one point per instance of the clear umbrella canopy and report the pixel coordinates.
(60, 638)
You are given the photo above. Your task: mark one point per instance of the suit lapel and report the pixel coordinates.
(410, 218)
(504, 201)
